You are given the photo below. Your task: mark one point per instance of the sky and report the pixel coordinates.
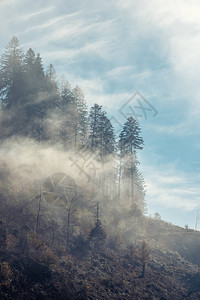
(126, 55)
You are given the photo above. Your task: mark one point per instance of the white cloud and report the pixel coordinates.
(176, 26)
(171, 191)
(180, 129)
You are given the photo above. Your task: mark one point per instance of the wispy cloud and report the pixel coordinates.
(119, 71)
(49, 23)
(172, 191)
(32, 14)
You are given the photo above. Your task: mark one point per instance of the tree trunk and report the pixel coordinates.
(38, 214)
(53, 232)
(143, 270)
(132, 177)
(68, 226)
(119, 183)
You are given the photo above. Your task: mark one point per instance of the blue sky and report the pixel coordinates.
(114, 49)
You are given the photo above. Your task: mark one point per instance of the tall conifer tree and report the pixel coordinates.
(129, 141)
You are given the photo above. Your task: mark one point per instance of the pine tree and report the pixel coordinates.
(64, 116)
(51, 73)
(46, 100)
(66, 93)
(97, 236)
(73, 128)
(107, 137)
(39, 76)
(37, 107)
(95, 118)
(80, 114)
(101, 140)
(65, 96)
(25, 91)
(29, 63)
(29, 60)
(129, 141)
(101, 136)
(12, 75)
(51, 79)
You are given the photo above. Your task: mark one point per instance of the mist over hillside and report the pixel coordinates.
(72, 198)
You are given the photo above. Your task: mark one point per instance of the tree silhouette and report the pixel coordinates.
(97, 236)
(11, 75)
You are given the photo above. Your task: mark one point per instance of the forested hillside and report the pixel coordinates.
(72, 198)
